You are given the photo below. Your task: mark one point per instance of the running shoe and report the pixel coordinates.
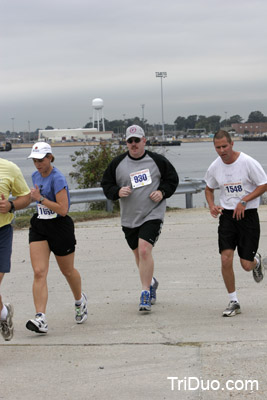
(38, 324)
(232, 309)
(81, 311)
(153, 289)
(258, 271)
(6, 326)
(145, 304)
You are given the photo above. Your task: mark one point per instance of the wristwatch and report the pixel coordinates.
(163, 193)
(12, 209)
(244, 203)
(41, 199)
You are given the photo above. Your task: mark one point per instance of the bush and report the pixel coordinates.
(90, 165)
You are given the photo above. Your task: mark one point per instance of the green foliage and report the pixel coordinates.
(22, 220)
(90, 164)
(120, 125)
(211, 123)
(256, 116)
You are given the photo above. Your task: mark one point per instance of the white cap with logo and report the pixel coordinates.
(134, 131)
(40, 150)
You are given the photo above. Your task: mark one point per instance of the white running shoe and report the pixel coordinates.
(6, 326)
(38, 324)
(81, 311)
(258, 271)
(153, 290)
(232, 309)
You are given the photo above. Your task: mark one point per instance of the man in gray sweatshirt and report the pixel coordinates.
(142, 181)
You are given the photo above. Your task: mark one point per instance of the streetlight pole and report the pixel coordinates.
(13, 124)
(143, 114)
(29, 129)
(162, 75)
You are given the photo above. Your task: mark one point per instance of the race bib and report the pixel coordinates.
(234, 190)
(140, 178)
(45, 213)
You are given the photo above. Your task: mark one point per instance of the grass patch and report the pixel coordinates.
(22, 220)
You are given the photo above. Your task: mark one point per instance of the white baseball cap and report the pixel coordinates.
(40, 150)
(134, 131)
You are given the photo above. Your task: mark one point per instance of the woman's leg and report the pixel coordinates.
(40, 253)
(66, 265)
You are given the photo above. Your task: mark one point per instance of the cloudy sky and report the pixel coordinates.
(56, 56)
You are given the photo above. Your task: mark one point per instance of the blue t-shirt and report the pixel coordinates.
(52, 184)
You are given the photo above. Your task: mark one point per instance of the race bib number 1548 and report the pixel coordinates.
(234, 190)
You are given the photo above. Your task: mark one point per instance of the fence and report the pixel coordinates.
(79, 196)
(188, 188)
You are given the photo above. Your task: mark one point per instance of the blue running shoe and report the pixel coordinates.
(145, 304)
(153, 289)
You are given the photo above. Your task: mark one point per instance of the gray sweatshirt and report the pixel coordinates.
(144, 175)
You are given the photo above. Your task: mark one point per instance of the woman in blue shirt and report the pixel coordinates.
(51, 230)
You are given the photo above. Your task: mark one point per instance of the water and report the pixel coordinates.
(191, 160)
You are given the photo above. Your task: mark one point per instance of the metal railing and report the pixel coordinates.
(188, 187)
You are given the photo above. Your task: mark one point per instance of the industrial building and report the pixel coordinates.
(79, 134)
(250, 127)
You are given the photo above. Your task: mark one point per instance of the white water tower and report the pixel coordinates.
(98, 113)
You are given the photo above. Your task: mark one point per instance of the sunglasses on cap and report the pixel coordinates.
(135, 140)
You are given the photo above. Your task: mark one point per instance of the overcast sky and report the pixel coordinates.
(56, 56)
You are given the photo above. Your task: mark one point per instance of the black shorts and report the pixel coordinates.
(58, 232)
(149, 232)
(243, 234)
(6, 237)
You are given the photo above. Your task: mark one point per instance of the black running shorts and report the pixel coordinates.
(149, 232)
(243, 234)
(6, 236)
(58, 232)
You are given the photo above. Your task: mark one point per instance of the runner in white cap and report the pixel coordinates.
(141, 180)
(51, 230)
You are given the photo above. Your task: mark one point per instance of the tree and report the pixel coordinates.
(256, 116)
(180, 123)
(211, 124)
(191, 122)
(90, 164)
(235, 119)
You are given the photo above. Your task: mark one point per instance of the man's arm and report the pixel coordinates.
(214, 210)
(169, 178)
(108, 183)
(19, 203)
(239, 211)
(22, 201)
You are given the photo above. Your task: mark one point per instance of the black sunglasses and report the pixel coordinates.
(135, 140)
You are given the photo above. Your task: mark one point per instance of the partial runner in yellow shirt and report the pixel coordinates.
(12, 183)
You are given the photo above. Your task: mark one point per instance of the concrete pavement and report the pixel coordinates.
(120, 353)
